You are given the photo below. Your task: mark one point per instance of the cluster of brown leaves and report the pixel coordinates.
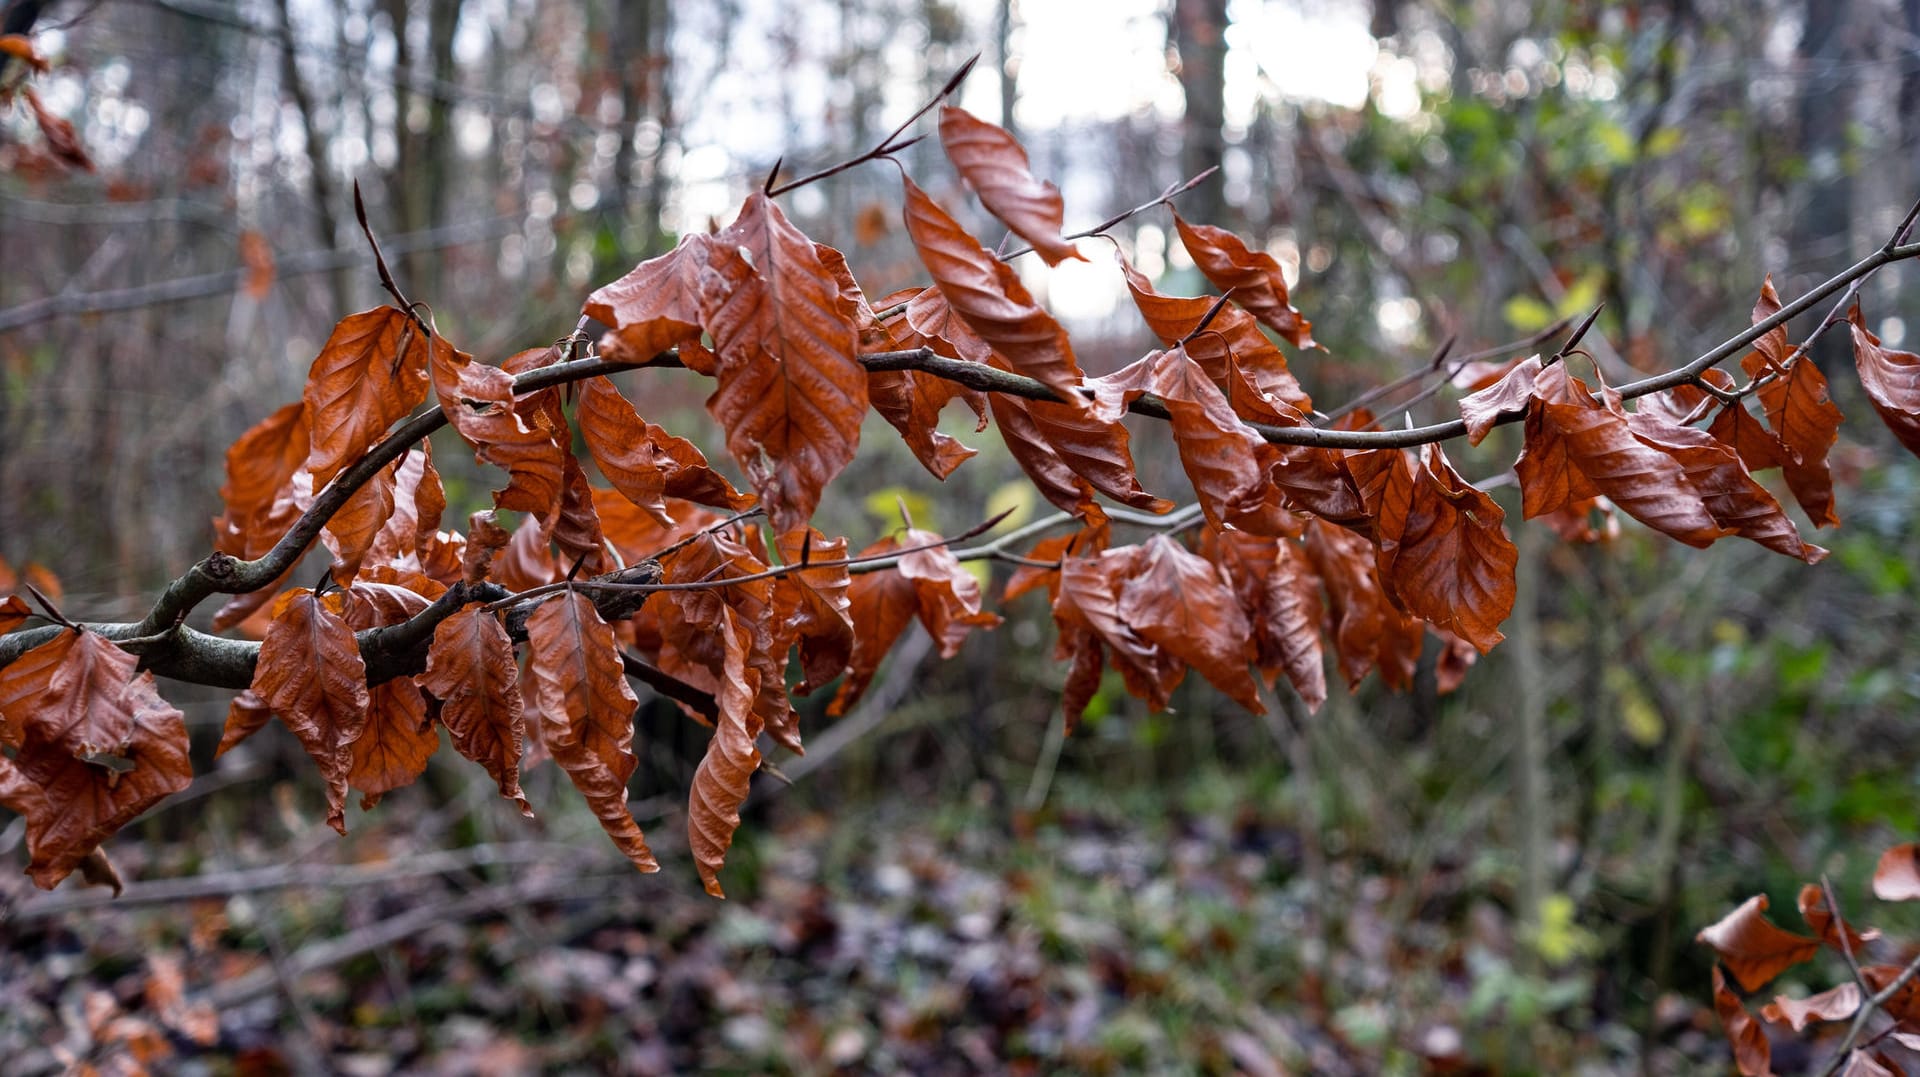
(1752, 950)
(1304, 546)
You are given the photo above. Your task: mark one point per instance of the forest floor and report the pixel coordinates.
(1193, 933)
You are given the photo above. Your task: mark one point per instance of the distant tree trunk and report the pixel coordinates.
(1199, 38)
(1821, 228)
(1003, 54)
(325, 196)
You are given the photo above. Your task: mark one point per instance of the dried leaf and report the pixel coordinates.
(1752, 1054)
(656, 305)
(370, 374)
(1368, 632)
(351, 531)
(310, 673)
(1799, 411)
(478, 401)
(1258, 285)
(1070, 452)
(1577, 447)
(988, 296)
(791, 393)
(1731, 496)
(1232, 336)
(96, 748)
(928, 583)
(1179, 602)
(1813, 909)
(62, 141)
(721, 781)
(1891, 379)
(1897, 876)
(994, 165)
(1510, 395)
(1836, 1004)
(14, 612)
(1087, 611)
(811, 608)
(398, 741)
(1454, 564)
(643, 461)
(1752, 948)
(471, 670)
(246, 715)
(1280, 596)
(586, 712)
(261, 465)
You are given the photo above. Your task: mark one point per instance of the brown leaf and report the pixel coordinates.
(1226, 460)
(1087, 611)
(811, 608)
(1257, 283)
(946, 595)
(1863, 1063)
(1813, 909)
(1897, 876)
(1475, 376)
(575, 528)
(14, 612)
(1179, 602)
(1752, 1054)
(656, 305)
(1799, 411)
(690, 648)
(586, 712)
(1904, 1005)
(1070, 452)
(643, 461)
(370, 374)
(478, 401)
(97, 747)
(246, 715)
(256, 254)
(931, 322)
(1509, 395)
(419, 500)
(1454, 565)
(994, 165)
(398, 741)
(485, 539)
(351, 531)
(1368, 633)
(1836, 1004)
(310, 673)
(791, 393)
(1891, 379)
(1280, 597)
(1577, 447)
(1758, 448)
(1232, 335)
(1752, 948)
(721, 781)
(1732, 497)
(471, 670)
(988, 296)
(25, 682)
(927, 583)
(261, 465)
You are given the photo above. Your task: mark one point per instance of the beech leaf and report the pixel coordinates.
(1891, 379)
(994, 165)
(1255, 280)
(471, 670)
(586, 713)
(310, 673)
(1752, 948)
(721, 781)
(791, 394)
(371, 372)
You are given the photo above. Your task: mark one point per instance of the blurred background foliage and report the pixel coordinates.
(1505, 879)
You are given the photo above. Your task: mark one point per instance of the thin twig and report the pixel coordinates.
(884, 147)
(1165, 197)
